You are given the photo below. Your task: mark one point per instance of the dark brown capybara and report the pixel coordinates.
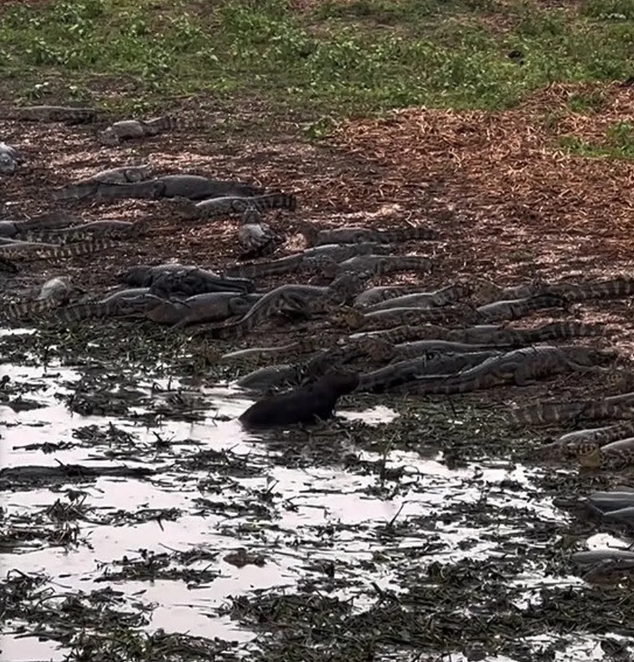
(304, 404)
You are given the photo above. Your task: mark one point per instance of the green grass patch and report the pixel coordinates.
(360, 57)
(618, 143)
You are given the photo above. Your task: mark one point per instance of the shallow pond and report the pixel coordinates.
(228, 518)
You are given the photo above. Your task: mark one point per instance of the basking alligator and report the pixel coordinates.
(167, 280)
(613, 288)
(304, 300)
(379, 265)
(515, 309)
(272, 377)
(53, 293)
(443, 297)
(16, 229)
(121, 303)
(128, 129)
(209, 307)
(305, 404)
(374, 295)
(489, 334)
(286, 374)
(234, 205)
(354, 235)
(615, 455)
(520, 367)
(290, 350)
(190, 187)
(408, 371)
(411, 350)
(30, 250)
(615, 406)
(351, 318)
(111, 229)
(611, 501)
(580, 442)
(312, 259)
(90, 185)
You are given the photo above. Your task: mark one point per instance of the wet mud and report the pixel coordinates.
(187, 539)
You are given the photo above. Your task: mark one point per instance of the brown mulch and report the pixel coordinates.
(538, 210)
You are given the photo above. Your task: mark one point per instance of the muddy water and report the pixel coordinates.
(299, 520)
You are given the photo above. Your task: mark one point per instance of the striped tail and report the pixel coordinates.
(81, 311)
(163, 123)
(565, 330)
(94, 245)
(544, 413)
(286, 201)
(16, 311)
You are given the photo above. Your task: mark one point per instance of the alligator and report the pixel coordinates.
(47, 221)
(484, 335)
(166, 280)
(581, 442)
(615, 455)
(624, 515)
(604, 560)
(513, 309)
(616, 406)
(122, 303)
(504, 336)
(405, 333)
(127, 129)
(409, 371)
(105, 228)
(411, 350)
(290, 350)
(312, 259)
(181, 186)
(379, 265)
(375, 295)
(209, 307)
(304, 405)
(305, 300)
(443, 297)
(605, 502)
(10, 160)
(351, 318)
(255, 236)
(53, 293)
(353, 235)
(614, 288)
(271, 377)
(520, 367)
(32, 251)
(233, 205)
(485, 291)
(89, 186)
(66, 114)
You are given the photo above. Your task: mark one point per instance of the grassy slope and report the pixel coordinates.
(338, 57)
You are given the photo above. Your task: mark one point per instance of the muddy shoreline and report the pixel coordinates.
(167, 531)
